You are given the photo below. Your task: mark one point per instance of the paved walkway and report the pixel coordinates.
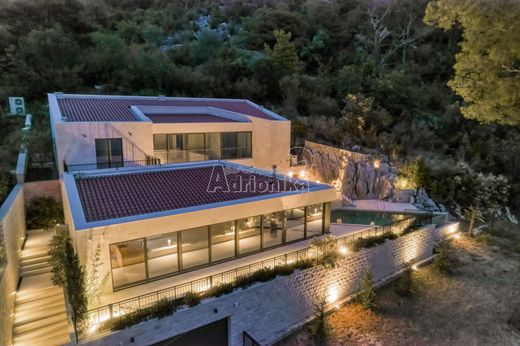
(40, 317)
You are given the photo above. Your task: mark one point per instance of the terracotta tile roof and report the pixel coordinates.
(187, 118)
(104, 108)
(148, 191)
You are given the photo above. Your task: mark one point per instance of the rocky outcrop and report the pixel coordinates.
(357, 175)
(361, 176)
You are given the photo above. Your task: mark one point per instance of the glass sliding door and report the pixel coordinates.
(222, 241)
(109, 152)
(295, 224)
(194, 145)
(162, 254)
(195, 247)
(213, 146)
(176, 151)
(314, 220)
(249, 234)
(127, 261)
(160, 147)
(244, 145)
(272, 229)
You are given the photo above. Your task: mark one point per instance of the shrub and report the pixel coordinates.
(329, 260)
(442, 262)
(367, 295)
(192, 299)
(320, 327)
(369, 242)
(5, 185)
(44, 212)
(57, 253)
(219, 290)
(483, 238)
(161, 309)
(404, 285)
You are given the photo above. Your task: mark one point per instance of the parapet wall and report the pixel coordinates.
(271, 310)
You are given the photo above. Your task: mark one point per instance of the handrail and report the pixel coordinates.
(97, 316)
(149, 161)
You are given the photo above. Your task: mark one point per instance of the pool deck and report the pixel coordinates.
(378, 205)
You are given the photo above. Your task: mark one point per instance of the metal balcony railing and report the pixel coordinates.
(149, 161)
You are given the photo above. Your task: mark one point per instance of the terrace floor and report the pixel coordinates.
(379, 205)
(339, 230)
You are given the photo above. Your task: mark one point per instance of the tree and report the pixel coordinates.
(283, 54)
(487, 69)
(367, 296)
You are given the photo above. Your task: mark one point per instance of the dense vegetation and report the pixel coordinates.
(346, 72)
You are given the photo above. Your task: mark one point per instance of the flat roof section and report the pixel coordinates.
(107, 108)
(113, 195)
(187, 118)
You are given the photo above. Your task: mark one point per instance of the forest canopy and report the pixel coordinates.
(397, 76)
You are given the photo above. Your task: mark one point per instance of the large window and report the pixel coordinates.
(195, 251)
(127, 259)
(272, 229)
(249, 238)
(314, 220)
(162, 254)
(171, 148)
(295, 224)
(222, 241)
(109, 152)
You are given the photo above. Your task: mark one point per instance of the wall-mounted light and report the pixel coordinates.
(302, 173)
(343, 250)
(332, 294)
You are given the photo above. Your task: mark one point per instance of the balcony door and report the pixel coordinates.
(109, 152)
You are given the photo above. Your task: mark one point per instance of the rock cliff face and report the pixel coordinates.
(361, 176)
(358, 176)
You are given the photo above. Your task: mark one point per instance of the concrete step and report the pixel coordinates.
(33, 266)
(40, 324)
(34, 305)
(33, 272)
(34, 253)
(44, 334)
(56, 340)
(27, 296)
(41, 259)
(23, 318)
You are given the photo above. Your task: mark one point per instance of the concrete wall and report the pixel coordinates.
(271, 310)
(12, 229)
(43, 188)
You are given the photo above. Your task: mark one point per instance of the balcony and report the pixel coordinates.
(149, 161)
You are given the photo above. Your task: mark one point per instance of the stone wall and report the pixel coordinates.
(12, 231)
(357, 175)
(44, 188)
(271, 310)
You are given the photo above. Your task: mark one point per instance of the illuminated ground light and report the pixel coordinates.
(343, 250)
(302, 173)
(415, 267)
(377, 163)
(457, 236)
(332, 294)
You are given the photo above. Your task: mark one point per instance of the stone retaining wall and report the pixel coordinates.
(271, 310)
(12, 230)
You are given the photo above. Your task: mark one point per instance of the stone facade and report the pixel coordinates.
(269, 311)
(12, 229)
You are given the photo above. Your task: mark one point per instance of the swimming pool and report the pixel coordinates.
(365, 217)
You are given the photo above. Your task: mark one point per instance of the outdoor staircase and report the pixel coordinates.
(40, 317)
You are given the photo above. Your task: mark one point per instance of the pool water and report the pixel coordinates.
(365, 217)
